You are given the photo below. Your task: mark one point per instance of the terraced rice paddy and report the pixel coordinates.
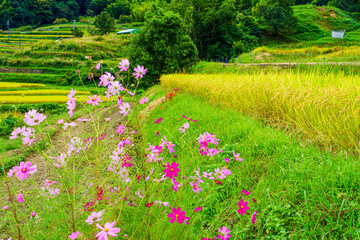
(10, 96)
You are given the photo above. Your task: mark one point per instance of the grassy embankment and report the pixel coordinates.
(311, 40)
(301, 191)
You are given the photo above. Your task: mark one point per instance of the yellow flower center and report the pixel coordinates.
(24, 170)
(242, 207)
(171, 169)
(106, 229)
(177, 215)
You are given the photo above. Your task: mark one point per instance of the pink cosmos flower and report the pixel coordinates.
(120, 129)
(196, 187)
(33, 214)
(24, 170)
(227, 160)
(198, 209)
(108, 229)
(60, 121)
(124, 108)
(71, 104)
(253, 218)
(29, 136)
(242, 207)
(94, 217)
(98, 65)
(123, 142)
(20, 197)
(158, 120)
(169, 145)
(178, 215)
(94, 100)
(106, 79)
(176, 185)
(237, 156)
(11, 172)
(33, 118)
(5, 207)
(124, 65)
(224, 233)
(245, 192)
(60, 161)
(140, 71)
(183, 128)
(17, 132)
(134, 132)
(74, 235)
(171, 171)
(208, 175)
(107, 119)
(84, 119)
(66, 125)
(48, 183)
(144, 100)
(114, 88)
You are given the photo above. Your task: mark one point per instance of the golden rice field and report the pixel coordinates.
(310, 50)
(325, 109)
(43, 99)
(41, 92)
(20, 85)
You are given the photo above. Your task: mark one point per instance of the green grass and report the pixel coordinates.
(301, 192)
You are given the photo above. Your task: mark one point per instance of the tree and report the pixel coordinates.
(105, 23)
(276, 16)
(162, 45)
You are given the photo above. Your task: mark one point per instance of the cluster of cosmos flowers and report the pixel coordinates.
(120, 163)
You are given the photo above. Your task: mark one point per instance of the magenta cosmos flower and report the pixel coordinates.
(198, 209)
(171, 171)
(178, 215)
(140, 71)
(124, 108)
(94, 100)
(124, 65)
(74, 235)
(20, 197)
(24, 170)
(108, 229)
(224, 233)
(243, 207)
(158, 120)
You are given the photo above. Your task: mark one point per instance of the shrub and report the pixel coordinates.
(77, 32)
(105, 23)
(8, 124)
(60, 20)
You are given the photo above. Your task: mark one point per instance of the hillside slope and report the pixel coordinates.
(315, 22)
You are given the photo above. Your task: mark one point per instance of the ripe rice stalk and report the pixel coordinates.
(323, 108)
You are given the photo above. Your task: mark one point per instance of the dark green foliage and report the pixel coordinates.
(118, 8)
(276, 16)
(105, 23)
(11, 162)
(162, 46)
(8, 124)
(35, 78)
(77, 32)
